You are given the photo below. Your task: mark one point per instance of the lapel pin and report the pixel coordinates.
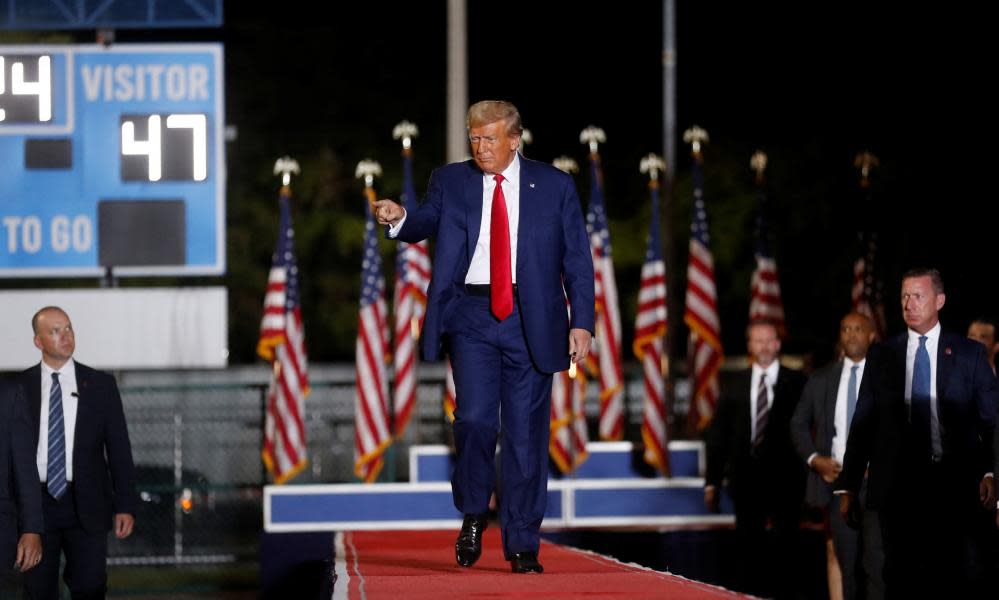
(530, 185)
(947, 350)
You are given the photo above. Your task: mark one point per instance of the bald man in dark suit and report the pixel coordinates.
(84, 460)
(819, 429)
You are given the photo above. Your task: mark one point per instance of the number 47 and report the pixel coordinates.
(152, 146)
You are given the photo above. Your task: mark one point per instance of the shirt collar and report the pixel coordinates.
(771, 371)
(67, 370)
(847, 362)
(511, 173)
(932, 335)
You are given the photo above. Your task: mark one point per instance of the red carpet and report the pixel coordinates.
(372, 565)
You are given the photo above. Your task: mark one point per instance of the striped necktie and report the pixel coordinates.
(762, 411)
(57, 442)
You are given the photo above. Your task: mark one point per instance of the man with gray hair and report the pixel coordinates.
(511, 247)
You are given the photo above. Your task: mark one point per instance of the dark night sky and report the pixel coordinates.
(811, 83)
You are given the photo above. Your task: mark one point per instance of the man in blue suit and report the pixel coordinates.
(923, 431)
(84, 462)
(511, 246)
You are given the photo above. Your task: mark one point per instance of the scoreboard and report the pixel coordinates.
(112, 157)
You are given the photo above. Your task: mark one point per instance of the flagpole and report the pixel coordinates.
(654, 166)
(367, 170)
(405, 131)
(285, 167)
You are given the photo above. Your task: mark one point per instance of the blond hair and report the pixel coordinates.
(490, 111)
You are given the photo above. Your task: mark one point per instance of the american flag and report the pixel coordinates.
(568, 437)
(650, 329)
(371, 417)
(605, 355)
(866, 295)
(282, 343)
(567, 443)
(412, 276)
(764, 295)
(450, 396)
(701, 312)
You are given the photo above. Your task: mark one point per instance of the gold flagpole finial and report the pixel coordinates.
(653, 164)
(405, 131)
(566, 164)
(284, 167)
(526, 137)
(367, 170)
(594, 136)
(696, 137)
(758, 163)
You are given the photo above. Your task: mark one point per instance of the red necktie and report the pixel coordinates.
(500, 273)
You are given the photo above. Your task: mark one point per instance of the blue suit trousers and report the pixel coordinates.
(499, 389)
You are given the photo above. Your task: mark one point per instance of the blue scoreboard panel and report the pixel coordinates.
(112, 157)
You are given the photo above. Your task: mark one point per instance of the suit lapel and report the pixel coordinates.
(945, 364)
(84, 388)
(33, 388)
(472, 197)
(528, 207)
(832, 393)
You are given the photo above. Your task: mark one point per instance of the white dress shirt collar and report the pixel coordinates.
(511, 173)
(933, 335)
(66, 374)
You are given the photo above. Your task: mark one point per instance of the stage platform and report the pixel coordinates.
(608, 490)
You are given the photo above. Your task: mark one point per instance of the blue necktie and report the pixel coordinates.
(57, 442)
(920, 400)
(851, 397)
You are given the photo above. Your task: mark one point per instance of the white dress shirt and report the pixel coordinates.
(478, 270)
(932, 339)
(70, 401)
(754, 391)
(841, 429)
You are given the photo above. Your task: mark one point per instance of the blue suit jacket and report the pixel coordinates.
(20, 493)
(552, 250)
(103, 472)
(881, 438)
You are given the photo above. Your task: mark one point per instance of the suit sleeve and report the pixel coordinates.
(25, 467)
(422, 222)
(577, 262)
(119, 454)
(804, 417)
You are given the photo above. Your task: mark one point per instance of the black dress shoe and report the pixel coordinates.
(526, 562)
(468, 546)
